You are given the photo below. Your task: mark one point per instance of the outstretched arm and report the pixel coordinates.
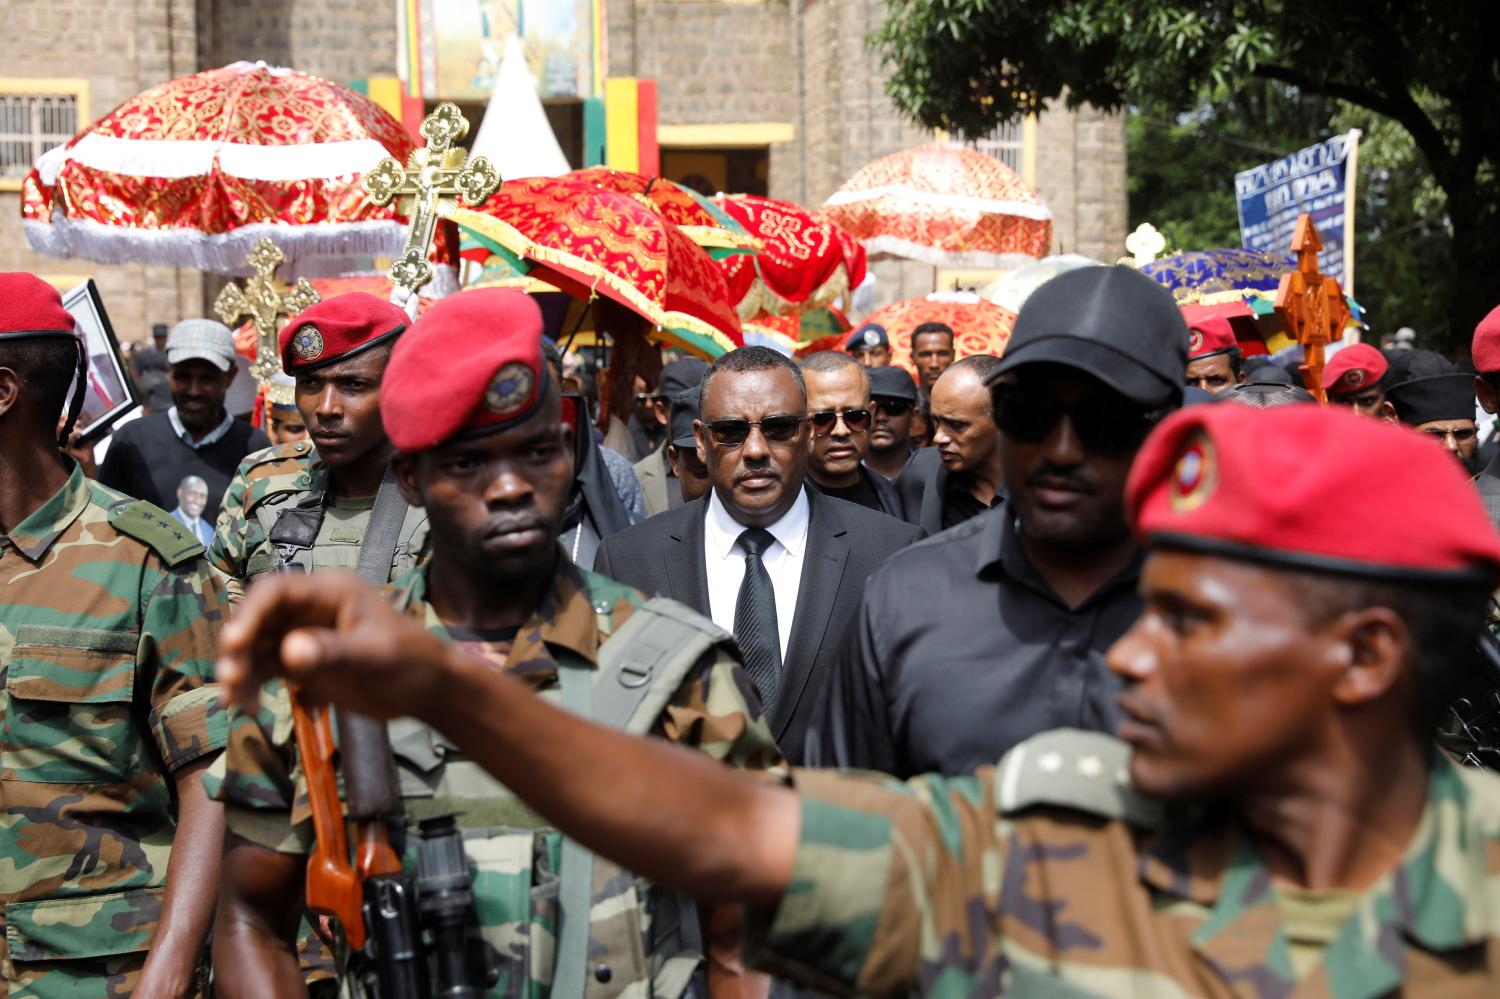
(672, 815)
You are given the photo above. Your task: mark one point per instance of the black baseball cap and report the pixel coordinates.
(1111, 322)
(892, 382)
(684, 412)
(679, 376)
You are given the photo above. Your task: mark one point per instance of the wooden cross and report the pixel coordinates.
(1311, 305)
(433, 175)
(263, 303)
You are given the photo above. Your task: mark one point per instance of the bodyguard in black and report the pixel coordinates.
(996, 629)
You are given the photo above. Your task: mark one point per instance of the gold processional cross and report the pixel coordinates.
(1311, 305)
(262, 301)
(433, 175)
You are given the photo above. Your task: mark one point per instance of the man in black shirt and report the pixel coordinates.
(838, 405)
(959, 476)
(149, 457)
(974, 640)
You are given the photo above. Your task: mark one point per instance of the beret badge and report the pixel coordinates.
(307, 343)
(1195, 341)
(1195, 475)
(1352, 379)
(872, 339)
(510, 388)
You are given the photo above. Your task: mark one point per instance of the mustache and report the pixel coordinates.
(1053, 475)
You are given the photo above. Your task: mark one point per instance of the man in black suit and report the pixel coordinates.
(778, 564)
(959, 476)
(840, 415)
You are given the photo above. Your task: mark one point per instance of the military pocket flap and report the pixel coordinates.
(89, 926)
(72, 665)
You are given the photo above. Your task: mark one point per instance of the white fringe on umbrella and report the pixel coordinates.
(913, 200)
(172, 158)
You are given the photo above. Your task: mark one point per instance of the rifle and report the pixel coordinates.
(369, 900)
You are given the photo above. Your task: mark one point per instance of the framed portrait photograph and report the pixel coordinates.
(109, 392)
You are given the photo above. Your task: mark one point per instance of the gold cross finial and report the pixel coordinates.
(263, 303)
(1311, 305)
(433, 176)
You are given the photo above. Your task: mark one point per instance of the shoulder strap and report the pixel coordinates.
(575, 868)
(155, 528)
(1071, 768)
(645, 661)
(383, 533)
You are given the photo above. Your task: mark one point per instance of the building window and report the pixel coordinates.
(1006, 144)
(35, 116)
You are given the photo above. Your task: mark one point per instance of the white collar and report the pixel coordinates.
(722, 532)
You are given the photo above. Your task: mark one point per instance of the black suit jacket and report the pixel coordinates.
(845, 543)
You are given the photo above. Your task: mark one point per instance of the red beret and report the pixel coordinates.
(1353, 369)
(1293, 485)
(1486, 347)
(30, 307)
(472, 362)
(337, 329)
(1209, 336)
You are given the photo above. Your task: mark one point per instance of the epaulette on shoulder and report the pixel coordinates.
(605, 593)
(155, 528)
(1071, 768)
(296, 454)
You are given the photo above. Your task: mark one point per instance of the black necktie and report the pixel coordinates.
(755, 619)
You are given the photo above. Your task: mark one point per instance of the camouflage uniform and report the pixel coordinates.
(274, 479)
(108, 626)
(1044, 876)
(516, 862)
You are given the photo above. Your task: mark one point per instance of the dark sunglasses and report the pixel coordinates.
(1106, 424)
(647, 398)
(857, 420)
(734, 433)
(892, 407)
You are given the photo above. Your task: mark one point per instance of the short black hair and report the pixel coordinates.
(1264, 395)
(1236, 360)
(46, 367)
(983, 366)
(751, 359)
(835, 360)
(932, 328)
(1444, 621)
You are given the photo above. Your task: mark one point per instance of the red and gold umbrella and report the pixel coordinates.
(194, 172)
(587, 241)
(804, 262)
(702, 221)
(979, 327)
(945, 205)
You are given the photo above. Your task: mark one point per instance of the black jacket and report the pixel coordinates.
(920, 487)
(845, 543)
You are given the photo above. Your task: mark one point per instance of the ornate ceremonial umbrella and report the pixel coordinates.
(195, 172)
(979, 327)
(702, 221)
(1212, 277)
(586, 241)
(944, 205)
(795, 330)
(805, 261)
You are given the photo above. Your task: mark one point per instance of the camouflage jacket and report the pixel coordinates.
(515, 861)
(983, 886)
(108, 623)
(266, 482)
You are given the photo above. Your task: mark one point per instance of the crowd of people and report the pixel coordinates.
(1111, 666)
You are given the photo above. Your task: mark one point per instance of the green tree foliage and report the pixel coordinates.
(1430, 66)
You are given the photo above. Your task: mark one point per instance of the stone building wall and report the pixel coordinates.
(121, 47)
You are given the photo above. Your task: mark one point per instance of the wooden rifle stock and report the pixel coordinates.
(333, 887)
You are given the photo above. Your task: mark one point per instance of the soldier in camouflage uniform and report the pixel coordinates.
(327, 485)
(108, 622)
(1276, 822)
(477, 419)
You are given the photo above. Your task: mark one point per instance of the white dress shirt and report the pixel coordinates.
(725, 561)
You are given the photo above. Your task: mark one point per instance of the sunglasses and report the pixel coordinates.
(647, 398)
(823, 423)
(892, 407)
(1106, 424)
(734, 433)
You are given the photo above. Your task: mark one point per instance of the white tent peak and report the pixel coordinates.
(515, 133)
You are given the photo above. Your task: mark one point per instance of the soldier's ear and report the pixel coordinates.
(10, 390)
(404, 466)
(1373, 646)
